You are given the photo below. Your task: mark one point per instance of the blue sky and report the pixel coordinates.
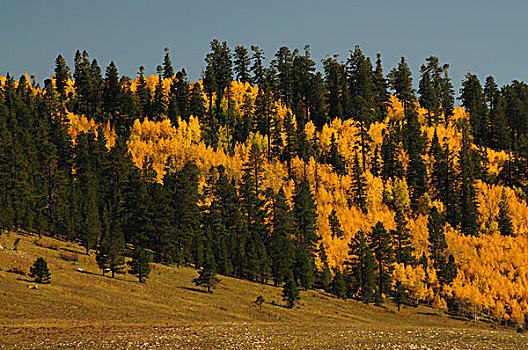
(484, 37)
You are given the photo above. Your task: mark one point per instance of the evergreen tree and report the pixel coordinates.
(338, 285)
(381, 94)
(168, 71)
(446, 269)
(381, 246)
(499, 128)
(324, 275)
(143, 93)
(257, 68)
(335, 82)
(62, 75)
(305, 217)
(111, 92)
(280, 245)
(362, 267)
(358, 188)
(504, 218)
(474, 102)
(401, 236)
(207, 275)
(140, 264)
(361, 87)
(335, 225)
(242, 64)
(290, 293)
(335, 159)
(467, 192)
(40, 272)
(196, 102)
(400, 81)
(180, 101)
(399, 294)
(390, 150)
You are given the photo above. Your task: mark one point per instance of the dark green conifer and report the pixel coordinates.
(290, 293)
(381, 246)
(140, 264)
(168, 71)
(40, 272)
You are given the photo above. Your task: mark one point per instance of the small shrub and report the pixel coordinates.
(520, 329)
(69, 256)
(18, 269)
(47, 244)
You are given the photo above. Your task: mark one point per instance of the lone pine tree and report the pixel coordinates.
(290, 293)
(39, 271)
(140, 264)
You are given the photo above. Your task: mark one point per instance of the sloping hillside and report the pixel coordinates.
(86, 310)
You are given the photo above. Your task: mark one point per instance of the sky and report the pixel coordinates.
(484, 37)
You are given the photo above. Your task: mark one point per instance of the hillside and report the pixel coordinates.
(349, 180)
(88, 311)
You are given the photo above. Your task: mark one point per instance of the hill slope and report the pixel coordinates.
(87, 310)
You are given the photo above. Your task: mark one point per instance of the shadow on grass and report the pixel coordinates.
(72, 251)
(27, 280)
(427, 313)
(116, 278)
(203, 291)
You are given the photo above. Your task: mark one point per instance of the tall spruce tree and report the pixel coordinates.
(401, 237)
(358, 188)
(362, 268)
(242, 64)
(168, 71)
(381, 246)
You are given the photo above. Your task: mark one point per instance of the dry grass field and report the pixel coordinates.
(84, 310)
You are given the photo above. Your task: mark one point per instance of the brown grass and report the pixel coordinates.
(86, 310)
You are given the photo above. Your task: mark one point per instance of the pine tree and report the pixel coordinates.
(361, 88)
(196, 102)
(381, 246)
(62, 75)
(290, 293)
(469, 224)
(207, 275)
(324, 275)
(362, 267)
(305, 217)
(504, 218)
(400, 81)
(143, 93)
(335, 225)
(401, 236)
(111, 93)
(335, 159)
(335, 82)
(280, 245)
(257, 68)
(168, 71)
(338, 285)
(390, 150)
(140, 264)
(40, 272)
(499, 128)
(381, 95)
(446, 269)
(399, 294)
(242, 64)
(358, 188)
(474, 102)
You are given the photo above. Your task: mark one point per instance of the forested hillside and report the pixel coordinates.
(348, 180)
